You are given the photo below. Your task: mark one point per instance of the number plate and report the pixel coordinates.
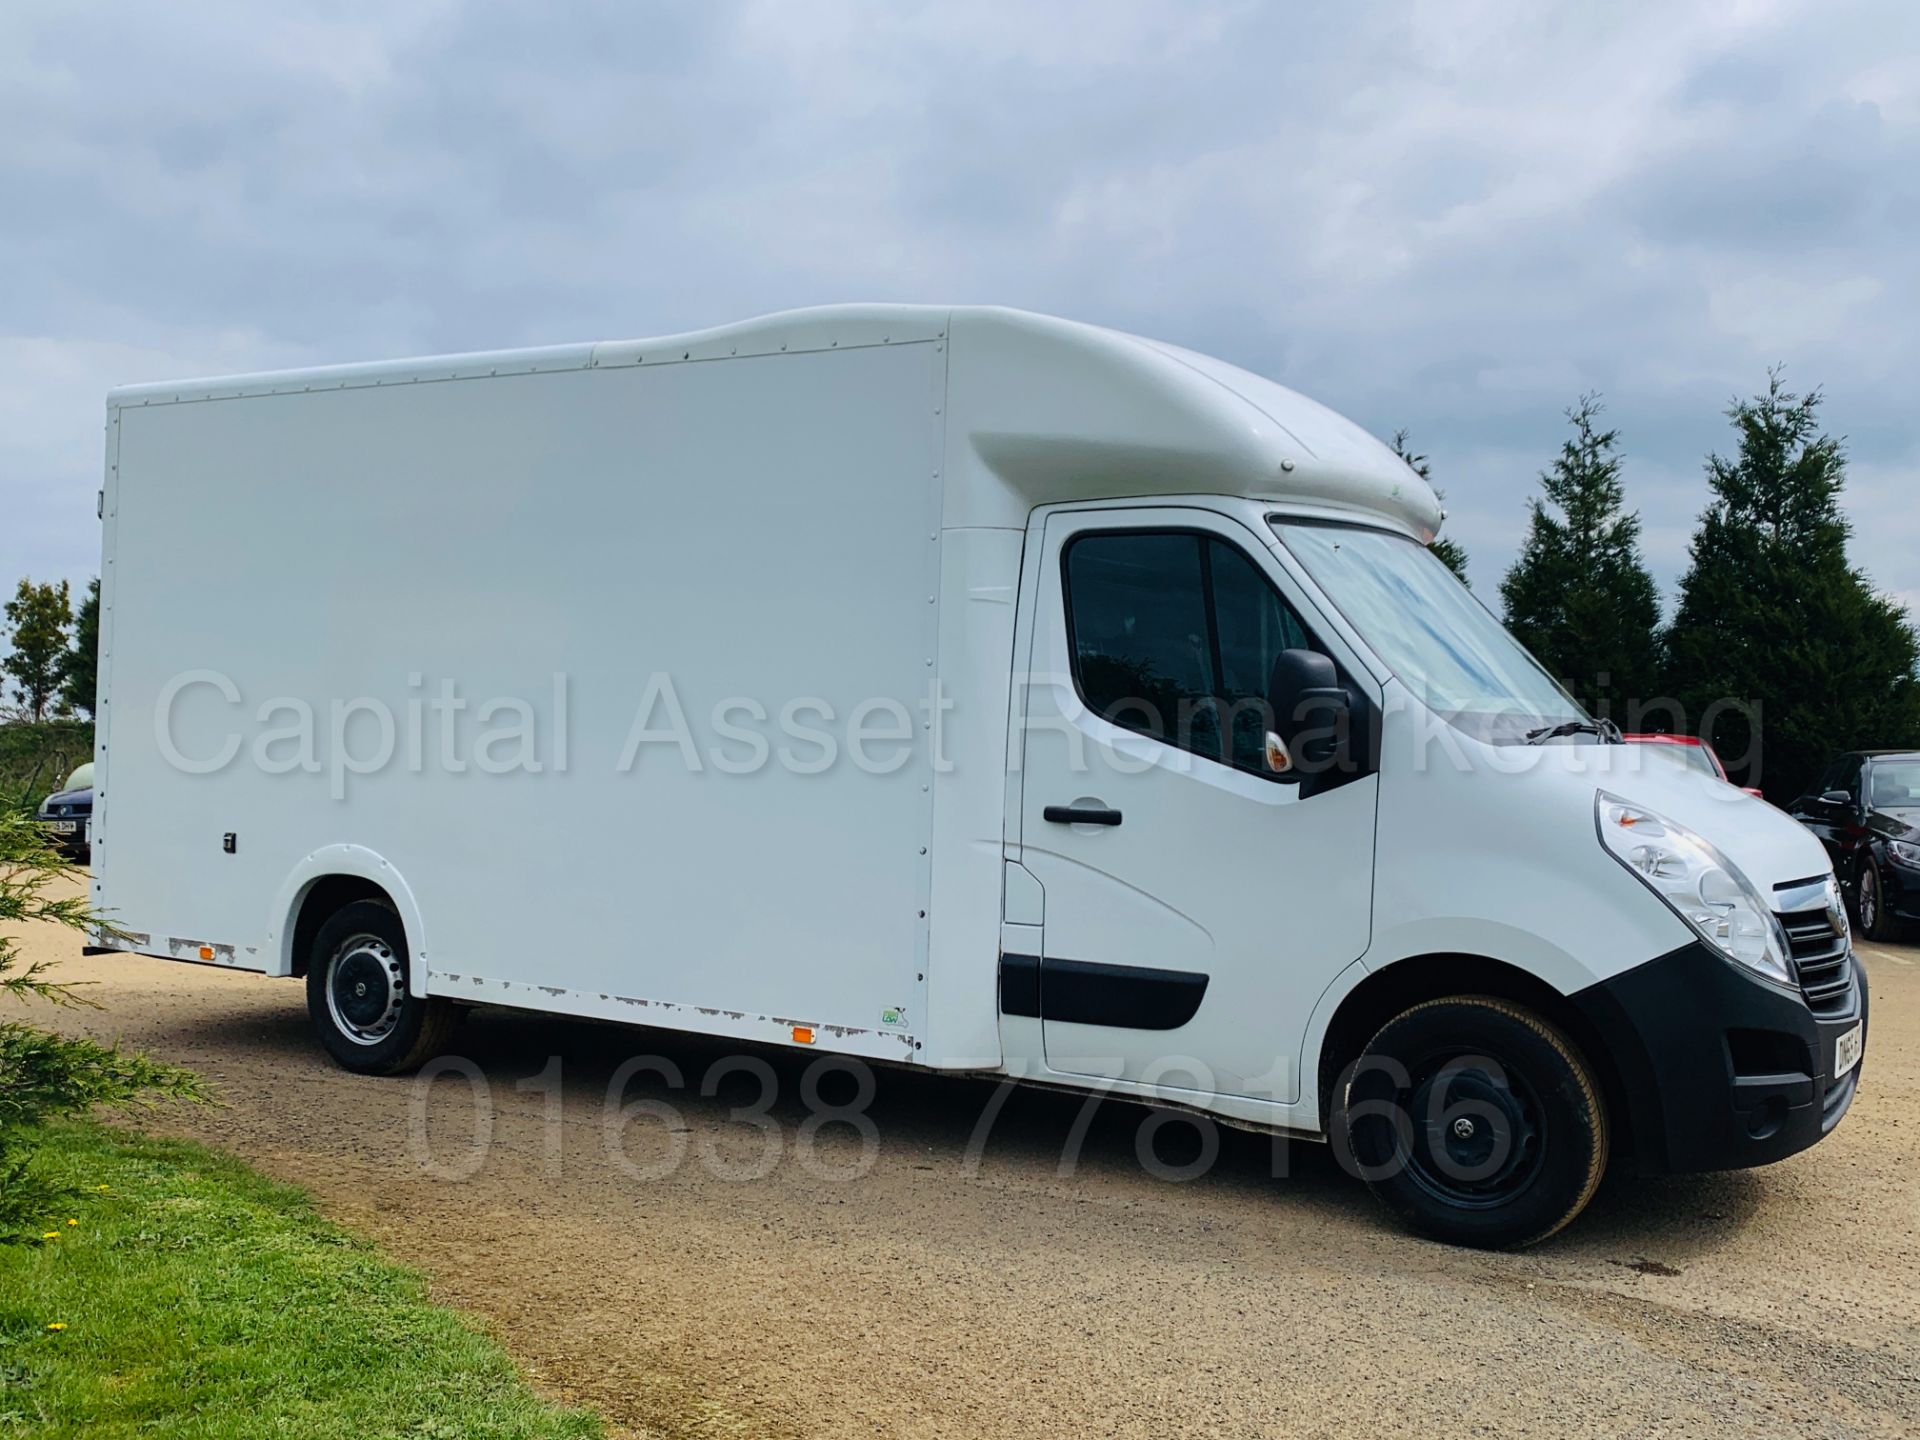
(61, 827)
(1846, 1052)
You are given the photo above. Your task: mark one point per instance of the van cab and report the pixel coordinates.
(1554, 953)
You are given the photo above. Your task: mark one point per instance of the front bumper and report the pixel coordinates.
(72, 841)
(1718, 1070)
(1900, 890)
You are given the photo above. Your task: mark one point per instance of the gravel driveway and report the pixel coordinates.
(705, 1271)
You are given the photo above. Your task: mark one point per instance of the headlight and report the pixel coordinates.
(1905, 851)
(1702, 886)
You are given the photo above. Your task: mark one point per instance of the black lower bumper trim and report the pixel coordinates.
(1718, 1069)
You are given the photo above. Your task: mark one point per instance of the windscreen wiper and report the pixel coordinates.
(1608, 732)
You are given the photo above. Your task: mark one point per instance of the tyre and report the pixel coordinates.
(1875, 923)
(357, 994)
(1476, 1122)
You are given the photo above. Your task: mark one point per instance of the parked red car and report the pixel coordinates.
(1693, 751)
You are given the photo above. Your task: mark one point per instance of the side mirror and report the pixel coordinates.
(1835, 797)
(1311, 716)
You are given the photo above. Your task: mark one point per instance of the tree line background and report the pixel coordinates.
(46, 713)
(1780, 652)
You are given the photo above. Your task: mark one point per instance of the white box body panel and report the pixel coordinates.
(761, 530)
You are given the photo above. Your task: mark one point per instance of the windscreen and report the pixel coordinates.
(1894, 785)
(1426, 627)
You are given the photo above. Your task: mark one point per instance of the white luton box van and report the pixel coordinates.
(952, 687)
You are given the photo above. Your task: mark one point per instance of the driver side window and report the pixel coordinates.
(1848, 778)
(1172, 634)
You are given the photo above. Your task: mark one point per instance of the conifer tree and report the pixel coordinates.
(1579, 596)
(80, 666)
(1778, 645)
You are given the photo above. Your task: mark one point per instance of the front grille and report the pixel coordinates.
(1822, 959)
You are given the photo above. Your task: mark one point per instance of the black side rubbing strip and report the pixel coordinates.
(1020, 985)
(1133, 997)
(1085, 992)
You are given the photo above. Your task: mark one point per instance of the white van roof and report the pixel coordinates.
(1041, 410)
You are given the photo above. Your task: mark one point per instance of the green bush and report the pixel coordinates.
(37, 757)
(44, 1076)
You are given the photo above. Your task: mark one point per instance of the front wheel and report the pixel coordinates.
(1476, 1122)
(357, 994)
(1875, 923)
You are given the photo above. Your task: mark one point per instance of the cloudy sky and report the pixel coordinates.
(1453, 217)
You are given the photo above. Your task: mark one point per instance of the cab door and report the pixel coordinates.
(1195, 905)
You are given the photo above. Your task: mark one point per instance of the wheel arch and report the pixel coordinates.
(320, 884)
(1386, 992)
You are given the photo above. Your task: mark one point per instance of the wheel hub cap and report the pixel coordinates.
(1477, 1137)
(366, 988)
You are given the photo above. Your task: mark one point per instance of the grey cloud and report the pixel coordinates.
(1783, 181)
(1451, 220)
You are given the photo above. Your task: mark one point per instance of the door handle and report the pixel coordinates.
(1081, 815)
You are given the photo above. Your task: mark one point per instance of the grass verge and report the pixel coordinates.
(196, 1298)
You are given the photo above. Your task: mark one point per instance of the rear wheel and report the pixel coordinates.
(357, 994)
(1476, 1122)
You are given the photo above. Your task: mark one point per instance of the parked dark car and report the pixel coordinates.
(67, 814)
(1867, 812)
